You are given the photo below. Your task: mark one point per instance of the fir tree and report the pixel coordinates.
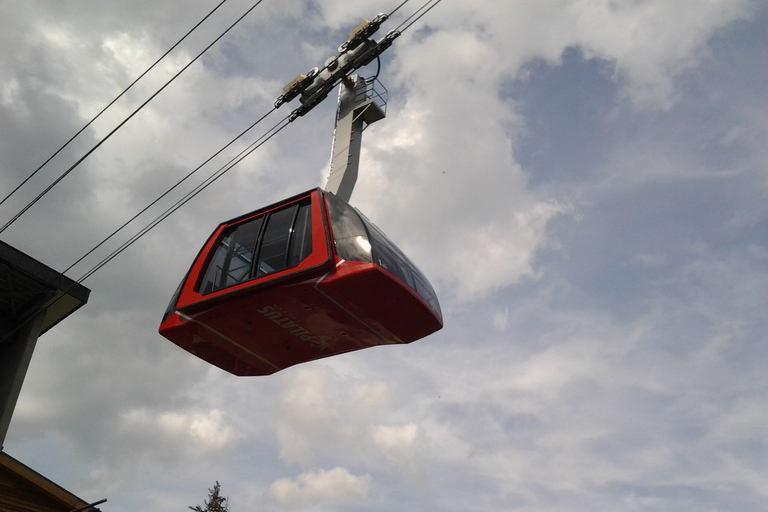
(215, 502)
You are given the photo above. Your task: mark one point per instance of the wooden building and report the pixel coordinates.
(24, 490)
(33, 299)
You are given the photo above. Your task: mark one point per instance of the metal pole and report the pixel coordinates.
(355, 110)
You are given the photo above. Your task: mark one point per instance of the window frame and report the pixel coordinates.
(257, 249)
(319, 255)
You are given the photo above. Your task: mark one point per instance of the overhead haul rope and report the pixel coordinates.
(65, 173)
(181, 202)
(199, 188)
(178, 183)
(220, 172)
(182, 180)
(417, 12)
(202, 186)
(112, 102)
(398, 7)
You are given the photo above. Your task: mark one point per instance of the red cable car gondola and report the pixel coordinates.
(306, 278)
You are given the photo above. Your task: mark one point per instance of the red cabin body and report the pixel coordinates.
(303, 279)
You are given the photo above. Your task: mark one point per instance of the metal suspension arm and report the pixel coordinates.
(359, 104)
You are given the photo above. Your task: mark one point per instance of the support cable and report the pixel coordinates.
(208, 181)
(65, 173)
(111, 102)
(182, 180)
(181, 202)
(397, 8)
(419, 15)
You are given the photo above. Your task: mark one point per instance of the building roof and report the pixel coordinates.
(27, 286)
(24, 490)
(30, 294)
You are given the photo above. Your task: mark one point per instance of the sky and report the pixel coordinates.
(584, 182)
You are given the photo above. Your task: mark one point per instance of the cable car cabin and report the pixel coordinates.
(303, 279)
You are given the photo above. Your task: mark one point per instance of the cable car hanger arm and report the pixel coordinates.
(359, 103)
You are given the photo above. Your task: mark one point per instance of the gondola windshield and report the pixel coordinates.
(260, 246)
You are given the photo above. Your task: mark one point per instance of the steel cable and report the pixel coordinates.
(112, 102)
(182, 180)
(94, 148)
(194, 192)
(220, 172)
(397, 8)
(419, 15)
(181, 202)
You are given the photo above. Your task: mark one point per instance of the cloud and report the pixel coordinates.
(604, 305)
(501, 319)
(405, 448)
(495, 246)
(317, 417)
(315, 489)
(623, 395)
(324, 415)
(426, 178)
(205, 429)
(651, 43)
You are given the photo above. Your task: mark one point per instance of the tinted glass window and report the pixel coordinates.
(216, 266)
(237, 268)
(425, 289)
(350, 238)
(357, 239)
(284, 242)
(231, 262)
(301, 236)
(390, 257)
(274, 247)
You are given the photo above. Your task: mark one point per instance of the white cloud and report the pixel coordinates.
(457, 117)
(404, 448)
(497, 256)
(501, 319)
(651, 42)
(324, 415)
(319, 415)
(315, 489)
(551, 387)
(205, 429)
(430, 167)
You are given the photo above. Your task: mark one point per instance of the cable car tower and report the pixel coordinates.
(310, 276)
